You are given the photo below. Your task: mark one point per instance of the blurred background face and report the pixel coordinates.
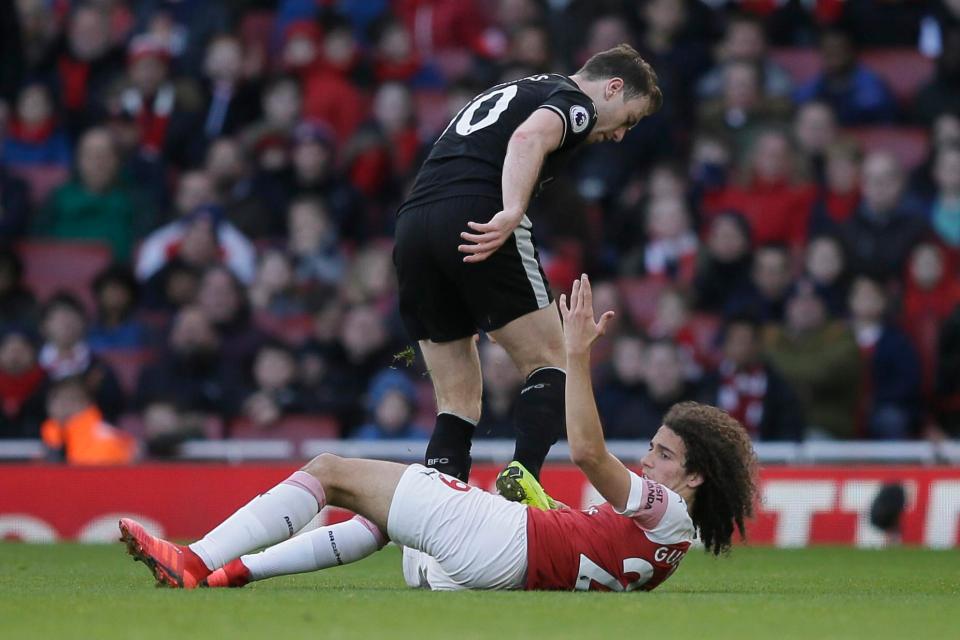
(308, 226)
(17, 355)
(946, 130)
(393, 107)
(628, 359)
(147, 73)
(824, 260)
(224, 60)
(192, 332)
(667, 218)
(88, 33)
(740, 345)
(33, 105)
(362, 332)
(311, 161)
(225, 162)
(837, 54)
(114, 298)
(671, 313)
(339, 46)
(299, 51)
(665, 183)
(281, 104)
(274, 369)
(744, 41)
(664, 16)
(881, 182)
(606, 297)
(726, 240)
(199, 246)
(194, 190)
(394, 42)
(867, 301)
(771, 272)
(393, 411)
(805, 312)
(500, 374)
(946, 171)
(218, 296)
(741, 85)
(771, 157)
(606, 33)
(63, 327)
(926, 265)
(97, 161)
(663, 370)
(66, 401)
(843, 171)
(530, 47)
(275, 272)
(815, 127)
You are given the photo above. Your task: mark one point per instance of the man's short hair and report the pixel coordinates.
(623, 61)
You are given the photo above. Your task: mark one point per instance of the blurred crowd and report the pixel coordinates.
(782, 239)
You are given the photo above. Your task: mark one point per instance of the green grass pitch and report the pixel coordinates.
(73, 591)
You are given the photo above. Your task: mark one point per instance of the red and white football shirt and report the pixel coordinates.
(601, 549)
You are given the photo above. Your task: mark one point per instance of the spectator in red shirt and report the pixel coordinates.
(837, 198)
(21, 386)
(776, 206)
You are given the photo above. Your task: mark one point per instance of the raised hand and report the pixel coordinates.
(580, 329)
(489, 236)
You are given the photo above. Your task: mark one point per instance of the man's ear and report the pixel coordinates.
(614, 87)
(694, 480)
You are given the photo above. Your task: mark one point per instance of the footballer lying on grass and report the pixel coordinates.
(699, 477)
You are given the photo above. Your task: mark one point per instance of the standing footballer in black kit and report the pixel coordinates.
(466, 259)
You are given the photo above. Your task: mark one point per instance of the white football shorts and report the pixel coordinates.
(456, 536)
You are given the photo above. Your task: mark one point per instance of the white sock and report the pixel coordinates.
(266, 520)
(321, 548)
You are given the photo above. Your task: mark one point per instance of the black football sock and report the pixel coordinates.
(539, 419)
(449, 448)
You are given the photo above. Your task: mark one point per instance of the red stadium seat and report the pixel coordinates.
(910, 144)
(42, 179)
(53, 265)
(296, 429)
(640, 298)
(803, 64)
(127, 363)
(291, 329)
(904, 70)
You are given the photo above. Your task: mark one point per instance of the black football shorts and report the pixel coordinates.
(443, 298)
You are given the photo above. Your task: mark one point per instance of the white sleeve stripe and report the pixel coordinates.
(563, 118)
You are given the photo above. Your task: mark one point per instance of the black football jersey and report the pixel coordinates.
(467, 158)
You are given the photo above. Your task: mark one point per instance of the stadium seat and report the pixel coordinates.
(293, 329)
(54, 265)
(904, 70)
(127, 363)
(640, 298)
(295, 428)
(910, 144)
(802, 63)
(42, 179)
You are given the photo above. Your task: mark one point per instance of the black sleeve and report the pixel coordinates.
(577, 112)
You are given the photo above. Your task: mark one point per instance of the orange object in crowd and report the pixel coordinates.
(88, 439)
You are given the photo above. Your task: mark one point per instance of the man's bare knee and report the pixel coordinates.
(323, 467)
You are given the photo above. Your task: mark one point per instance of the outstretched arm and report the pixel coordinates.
(584, 433)
(529, 145)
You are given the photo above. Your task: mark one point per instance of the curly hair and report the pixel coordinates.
(718, 448)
